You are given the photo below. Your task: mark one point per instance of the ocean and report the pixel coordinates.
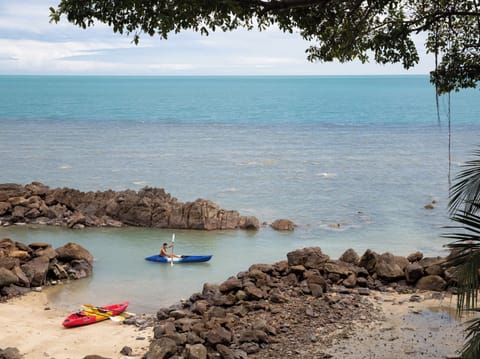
(351, 160)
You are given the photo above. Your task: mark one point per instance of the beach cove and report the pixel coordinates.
(364, 153)
(333, 324)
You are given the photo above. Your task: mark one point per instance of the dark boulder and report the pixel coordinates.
(310, 258)
(431, 282)
(413, 272)
(36, 270)
(71, 251)
(7, 277)
(162, 348)
(350, 256)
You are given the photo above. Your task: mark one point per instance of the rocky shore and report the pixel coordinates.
(301, 307)
(294, 307)
(36, 203)
(26, 267)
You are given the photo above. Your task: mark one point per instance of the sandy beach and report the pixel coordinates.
(426, 328)
(424, 325)
(32, 325)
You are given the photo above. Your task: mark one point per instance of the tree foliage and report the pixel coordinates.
(465, 258)
(344, 30)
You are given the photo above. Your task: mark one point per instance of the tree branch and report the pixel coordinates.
(291, 4)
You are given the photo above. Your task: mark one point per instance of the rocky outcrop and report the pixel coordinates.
(256, 313)
(24, 267)
(283, 225)
(36, 203)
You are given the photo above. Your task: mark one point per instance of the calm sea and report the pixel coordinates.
(351, 160)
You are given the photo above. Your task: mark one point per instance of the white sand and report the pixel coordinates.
(27, 324)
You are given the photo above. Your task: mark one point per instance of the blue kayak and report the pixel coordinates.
(183, 259)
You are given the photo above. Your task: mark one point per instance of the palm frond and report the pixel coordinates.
(466, 191)
(471, 349)
(465, 258)
(467, 286)
(469, 238)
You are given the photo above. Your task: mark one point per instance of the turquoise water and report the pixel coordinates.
(366, 153)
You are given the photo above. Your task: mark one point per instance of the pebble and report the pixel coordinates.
(416, 298)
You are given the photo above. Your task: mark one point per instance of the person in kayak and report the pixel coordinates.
(163, 251)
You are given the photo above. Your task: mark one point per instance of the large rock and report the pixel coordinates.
(413, 272)
(431, 282)
(71, 251)
(310, 258)
(341, 268)
(76, 219)
(162, 348)
(196, 351)
(283, 225)
(23, 266)
(36, 270)
(350, 256)
(433, 265)
(22, 277)
(317, 285)
(369, 261)
(203, 214)
(79, 268)
(415, 257)
(9, 262)
(230, 284)
(249, 222)
(389, 267)
(47, 251)
(5, 207)
(219, 335)
(131, 209)
(7, 277)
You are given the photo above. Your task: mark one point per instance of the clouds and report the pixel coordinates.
(29, 44)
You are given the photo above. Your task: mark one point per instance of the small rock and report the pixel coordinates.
(363, 291)
(416, 298)
(10, 353)
(126, 351)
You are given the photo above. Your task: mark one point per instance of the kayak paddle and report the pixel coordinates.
(173, 244)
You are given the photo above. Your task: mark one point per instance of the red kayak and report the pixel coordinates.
(92, 314)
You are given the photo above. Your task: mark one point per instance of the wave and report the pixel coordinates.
(139, 183)
(326, 175)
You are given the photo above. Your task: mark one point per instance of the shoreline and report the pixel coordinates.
(419, 325)
(423, 325)
(376, 299)
(32, 325)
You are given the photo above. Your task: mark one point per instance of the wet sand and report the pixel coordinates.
(428, 328)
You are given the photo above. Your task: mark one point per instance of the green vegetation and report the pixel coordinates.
(344, 30)
(465, 205)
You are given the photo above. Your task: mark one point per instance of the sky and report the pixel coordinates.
(30, 45)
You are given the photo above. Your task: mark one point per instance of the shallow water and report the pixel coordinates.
(351, 160)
